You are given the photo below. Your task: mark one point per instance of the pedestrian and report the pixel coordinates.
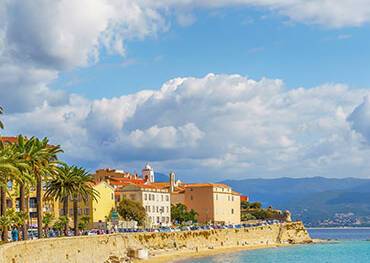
(15, 234)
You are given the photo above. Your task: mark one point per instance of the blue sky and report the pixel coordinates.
(210, 89)
(247, 41)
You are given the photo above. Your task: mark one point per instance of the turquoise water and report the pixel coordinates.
(351, 248)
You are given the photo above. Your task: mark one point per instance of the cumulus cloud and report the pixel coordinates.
(211, 127)
(41, 38)
(360, 118)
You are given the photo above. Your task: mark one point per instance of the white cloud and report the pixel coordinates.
(215, 126)
(41, 38)
(194, 125)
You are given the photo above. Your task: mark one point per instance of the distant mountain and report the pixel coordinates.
(160, 177)
(313, 200)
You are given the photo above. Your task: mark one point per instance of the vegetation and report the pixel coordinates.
(1, 112)
(61, 224)
(181, 215)
(84, 222)
(71, 181)
(28, 163)
(253, 211)
(46, 221)
(131, 210)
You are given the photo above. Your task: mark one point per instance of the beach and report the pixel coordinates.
(174, 256)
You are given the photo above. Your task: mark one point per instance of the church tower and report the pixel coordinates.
(148, 174)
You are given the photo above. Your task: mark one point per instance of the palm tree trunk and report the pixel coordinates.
(75, 215)
(39, 206)
(4, 234)
(65, 208)
(22, 208)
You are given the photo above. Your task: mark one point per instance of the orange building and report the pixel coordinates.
(214, 203)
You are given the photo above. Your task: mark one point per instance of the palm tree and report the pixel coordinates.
(84, 188)
(60, 187)
(1, 112)
(26, 152)
(71, 181)
(10, 166)
(43, 163)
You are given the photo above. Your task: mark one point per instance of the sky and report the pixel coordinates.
(210, 89)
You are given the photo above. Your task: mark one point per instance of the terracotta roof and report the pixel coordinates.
(9, 139)
(123, 181)
(206, 185)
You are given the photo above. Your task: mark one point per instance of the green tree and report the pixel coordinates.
(26, 152)
(71, 181)
(60, 187)
(84, 189)
(84, 222)
(131, 210)
(43, 164)
(46, 221)
(180, 214)
(61, 224)
(9, 170)
(1, 112)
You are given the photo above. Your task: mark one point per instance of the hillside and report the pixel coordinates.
(316, 200)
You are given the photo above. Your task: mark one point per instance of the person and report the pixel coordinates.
(15, 234)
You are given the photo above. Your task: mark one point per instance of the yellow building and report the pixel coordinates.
(97, 211)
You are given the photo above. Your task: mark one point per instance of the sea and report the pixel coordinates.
(352, 246)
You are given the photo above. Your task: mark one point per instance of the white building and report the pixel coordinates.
(148, 174)
(156, 201)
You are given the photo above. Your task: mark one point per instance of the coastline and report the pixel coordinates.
(340, 227)
(168, 256)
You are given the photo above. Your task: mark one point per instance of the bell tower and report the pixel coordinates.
(148, 174)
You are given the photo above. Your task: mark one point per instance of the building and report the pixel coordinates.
(148, 174)
(97, 210)
(214, 203)
(155, 200)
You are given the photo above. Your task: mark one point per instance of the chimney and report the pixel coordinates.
(172, 181)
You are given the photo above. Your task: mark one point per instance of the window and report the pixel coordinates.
(33, 202)
(162, 198)
(232, 198)
(167, 209)
(145, 197)
(191, 197)
(157, 219)
(232, 211)
(71, 211)
(87, 211)
(216, 196)
(167, 198)
(112, 196)
(79, 211)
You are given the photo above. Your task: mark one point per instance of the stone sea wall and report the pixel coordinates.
(116, 247)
